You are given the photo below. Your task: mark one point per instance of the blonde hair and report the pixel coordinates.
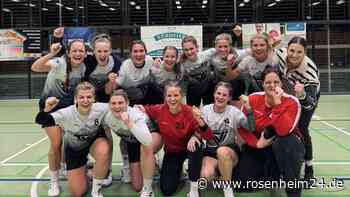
(84, 86)
(223, 36)
(100, 38)
(264, 36)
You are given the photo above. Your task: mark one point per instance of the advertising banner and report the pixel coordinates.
(157, 37)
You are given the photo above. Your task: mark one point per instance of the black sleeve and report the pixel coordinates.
(311, 98)
(117, 63)
(45, 119)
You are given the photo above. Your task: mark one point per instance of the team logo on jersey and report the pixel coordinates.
(83, 137)
(227, 121)
(97, 122)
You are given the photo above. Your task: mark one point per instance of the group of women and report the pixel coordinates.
(259, 137)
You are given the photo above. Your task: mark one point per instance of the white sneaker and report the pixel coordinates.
(108, 181)
(97, 194)
(146, 193)
(54, 188)
(125, 175)
(193, 194)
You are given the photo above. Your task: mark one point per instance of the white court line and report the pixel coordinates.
(45, 164)
(322, 163)
(22, 151)
(34, 187)
(331, 125)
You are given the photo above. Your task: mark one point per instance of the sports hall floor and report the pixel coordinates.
(23, 152)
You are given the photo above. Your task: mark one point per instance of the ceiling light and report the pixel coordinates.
(203, 6)
(44, 9)
(178, 7)
(132, 3)
(15, 0)
(69, 8)
(81, 7)
(246, 1)
(177, 2)
(111, 9)
(138, 7)
(277, 0)
(271, 4)
(340, 2)
(316, 3)
(32, 5)
(6, 10)
(241, 5)
(59, 4)
(205, 1)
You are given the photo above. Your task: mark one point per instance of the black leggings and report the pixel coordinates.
(172, 168)
(304, 122)
(284, 157)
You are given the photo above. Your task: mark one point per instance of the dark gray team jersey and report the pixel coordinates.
(161, 76)
(254, 68)
(140, 130)
(54, 85)
(224, 125)
(79, 131)
(219, 64)
(130, 76)
(99, 77)
(200, 66)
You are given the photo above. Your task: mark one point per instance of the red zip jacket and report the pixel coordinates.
(283, 117)
(176, 130)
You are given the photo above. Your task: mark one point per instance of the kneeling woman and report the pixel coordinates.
(224, 120)
(82, 134)
(265, 157)
(178, 129)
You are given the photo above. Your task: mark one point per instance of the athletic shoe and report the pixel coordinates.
(97, 194)
(108, 181)
(125, 175)
(54, 188)
(146, 194)
(309, 176)
(190, 194)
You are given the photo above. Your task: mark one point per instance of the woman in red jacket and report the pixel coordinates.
(276, 147)
(178, 131)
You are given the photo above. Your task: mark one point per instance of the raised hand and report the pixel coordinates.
(112, 76)
(299, 90)
(55, 48)
(245, 101)
(58, 32)
(50, 103)
(277, 96)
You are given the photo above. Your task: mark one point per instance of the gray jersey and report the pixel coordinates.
(161, 76)
(254, 68)
(79, 131)
(219, 64)
(200, 67)
(224, 125)
(99, 77)
(140, 130)
(54, 85)
(130, 76)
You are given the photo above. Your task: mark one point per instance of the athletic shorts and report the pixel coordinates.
(211, 151)
(61, 104)
(76, 159)
(134, 151)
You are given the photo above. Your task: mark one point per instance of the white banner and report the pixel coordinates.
(281, 32)
(157, 37)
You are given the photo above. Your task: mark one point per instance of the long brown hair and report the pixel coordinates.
(69, 65)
